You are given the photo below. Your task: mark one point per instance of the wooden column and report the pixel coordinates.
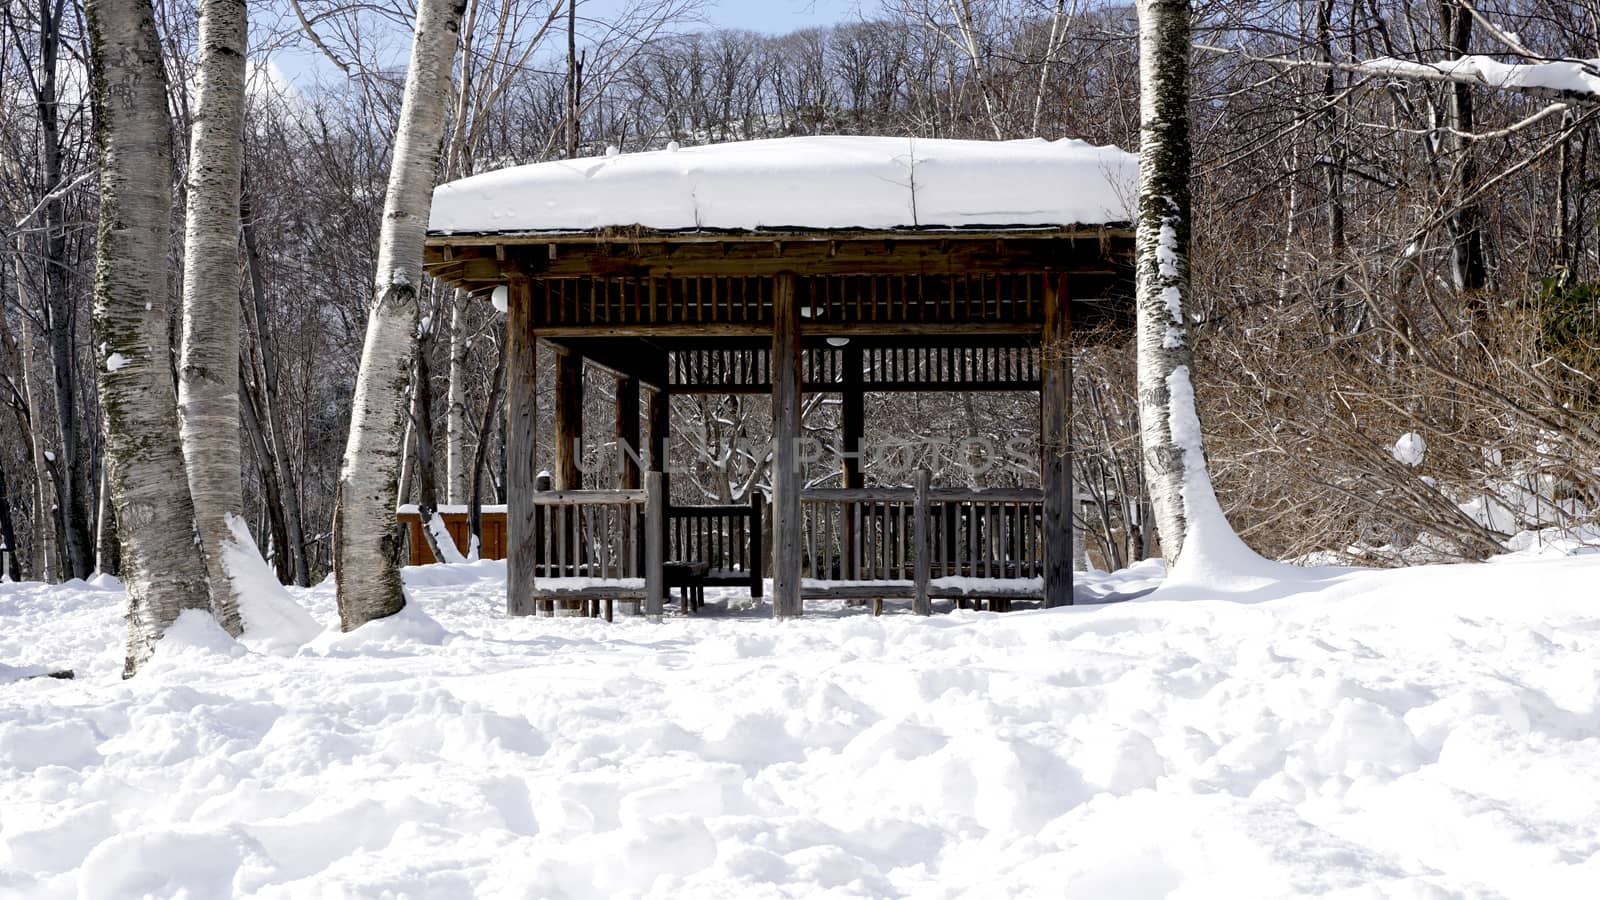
(655, 514)
(628, 431)
(852, 423)
(1055, 442)
(521, 468)
(658, 410)
(786, 475)
(852, 416)
(569, 420)
(922, 566)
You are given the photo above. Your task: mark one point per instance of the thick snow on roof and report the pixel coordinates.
(803, 182)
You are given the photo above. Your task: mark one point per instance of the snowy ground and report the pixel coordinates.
(1427, 733)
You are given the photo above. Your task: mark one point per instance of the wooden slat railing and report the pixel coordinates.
(589, 534)
(726, 538)
(919, 534)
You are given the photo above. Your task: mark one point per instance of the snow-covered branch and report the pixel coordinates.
(1565, 80)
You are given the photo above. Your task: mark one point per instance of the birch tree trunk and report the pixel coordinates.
(1163, 258)
(365, 561)
(162, 567)
(208, 369)
(455, 423)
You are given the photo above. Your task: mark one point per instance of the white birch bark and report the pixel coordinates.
(208, 369)
(1163, 256)
(364, 534)
(455, 422)
(161, 562)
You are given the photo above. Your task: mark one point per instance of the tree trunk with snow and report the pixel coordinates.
(208, 369)
(1163, 257)
(162, 567)
(364, 539)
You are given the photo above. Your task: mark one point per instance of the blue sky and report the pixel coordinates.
(780, 16)
(765, 16)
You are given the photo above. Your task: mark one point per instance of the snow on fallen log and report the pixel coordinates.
(803, 182)
(9, 674)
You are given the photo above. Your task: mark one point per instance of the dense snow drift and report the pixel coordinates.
(1420, 733)
(803, 182)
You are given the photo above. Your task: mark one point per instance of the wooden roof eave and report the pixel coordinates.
(478, 262)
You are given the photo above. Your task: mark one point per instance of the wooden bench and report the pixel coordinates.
(723, 542)
(689, 577)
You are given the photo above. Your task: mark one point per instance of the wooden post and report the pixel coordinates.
(521, 469)
(658, 410)
(758, 561)
(659, 413)
(569, 420)
(1055, 441)
(921, 604)
(628, 431)
(786, 475)
(655, 513)
(852, 423)
(852, 418)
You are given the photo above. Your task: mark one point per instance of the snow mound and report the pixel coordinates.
(1214, 560)
(407, 627)
(194, 635)
(273, 622)
(457, 574)
(803, 182)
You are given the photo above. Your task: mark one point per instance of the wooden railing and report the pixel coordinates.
(725, 538)
(589, 534)
(918, 534)
(994, 533)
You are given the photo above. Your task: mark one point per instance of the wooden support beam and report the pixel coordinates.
(921, 528)
(628, 431)
(627, 358)
(852, 423)
(761, 329)
(569, 421)
(853, 415)
(1055, 442)
(787, 479)
(655, 532)
(481, 258)
(658, 410)
(521, 468)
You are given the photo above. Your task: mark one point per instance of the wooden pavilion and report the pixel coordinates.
(897, 266)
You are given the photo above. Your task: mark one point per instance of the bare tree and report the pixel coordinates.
(163, 569)
(365, 559)
(1174, 458)
(208, 368)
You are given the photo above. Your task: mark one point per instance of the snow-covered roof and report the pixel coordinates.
(803, 183)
